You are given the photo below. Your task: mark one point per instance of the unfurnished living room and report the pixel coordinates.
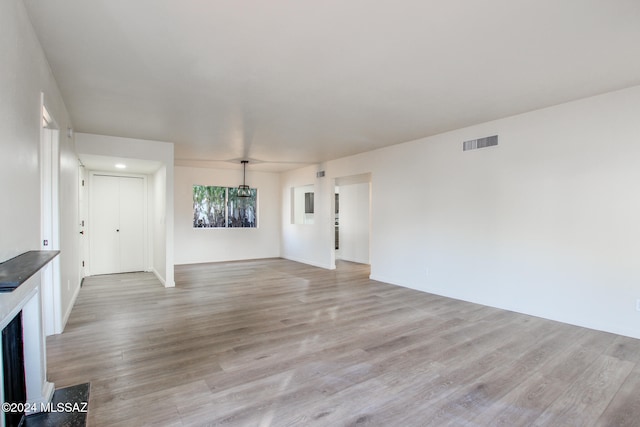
(289, 213)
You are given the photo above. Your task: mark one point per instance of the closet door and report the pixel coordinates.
(105, 220)
(117, 224)
(131, 224)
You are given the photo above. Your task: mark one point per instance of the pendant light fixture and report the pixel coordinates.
(244, 190)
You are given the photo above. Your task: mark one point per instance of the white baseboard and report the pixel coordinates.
(315, 264)
(356, 260)
(390, 281)
(162, 279)
(65, 318)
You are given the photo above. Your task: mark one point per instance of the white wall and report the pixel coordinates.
(24, 75)
(545, 224)
(309, 243)
(197, 245)
(158, 187)
(160, 183)
(354, 222)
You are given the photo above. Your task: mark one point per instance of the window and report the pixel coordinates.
(241, 211)
(220, 207)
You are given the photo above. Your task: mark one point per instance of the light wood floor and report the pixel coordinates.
(277, 343)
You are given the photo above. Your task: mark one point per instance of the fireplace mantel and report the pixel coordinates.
(16, 271)
(23, 274)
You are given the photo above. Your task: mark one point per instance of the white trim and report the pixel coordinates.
(72, 302)
(83, 218)
(315, 264)
(49, 164)
(390, 281)
(356, 260)
(161, 279)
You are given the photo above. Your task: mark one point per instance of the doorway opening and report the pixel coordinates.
(352, 218)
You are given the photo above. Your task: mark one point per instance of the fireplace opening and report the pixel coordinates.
(15, 389)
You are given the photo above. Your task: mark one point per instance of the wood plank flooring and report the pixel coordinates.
(277, 343)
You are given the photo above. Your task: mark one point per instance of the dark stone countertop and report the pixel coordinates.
(16, 271)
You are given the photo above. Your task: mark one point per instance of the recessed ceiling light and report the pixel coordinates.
(120, 165)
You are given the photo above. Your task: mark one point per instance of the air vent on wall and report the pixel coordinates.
(474, 144)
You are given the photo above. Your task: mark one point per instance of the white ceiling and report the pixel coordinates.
(291, 82)
(128, 165)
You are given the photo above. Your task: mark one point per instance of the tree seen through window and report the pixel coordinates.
(221, 207)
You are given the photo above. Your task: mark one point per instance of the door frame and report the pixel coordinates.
(50, 218)
(147, 255)
(83, 214)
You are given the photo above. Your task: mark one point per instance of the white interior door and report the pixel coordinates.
(117, 224)
(131, 224)
(105, 242)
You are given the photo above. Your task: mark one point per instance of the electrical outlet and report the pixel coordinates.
(638, 305)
